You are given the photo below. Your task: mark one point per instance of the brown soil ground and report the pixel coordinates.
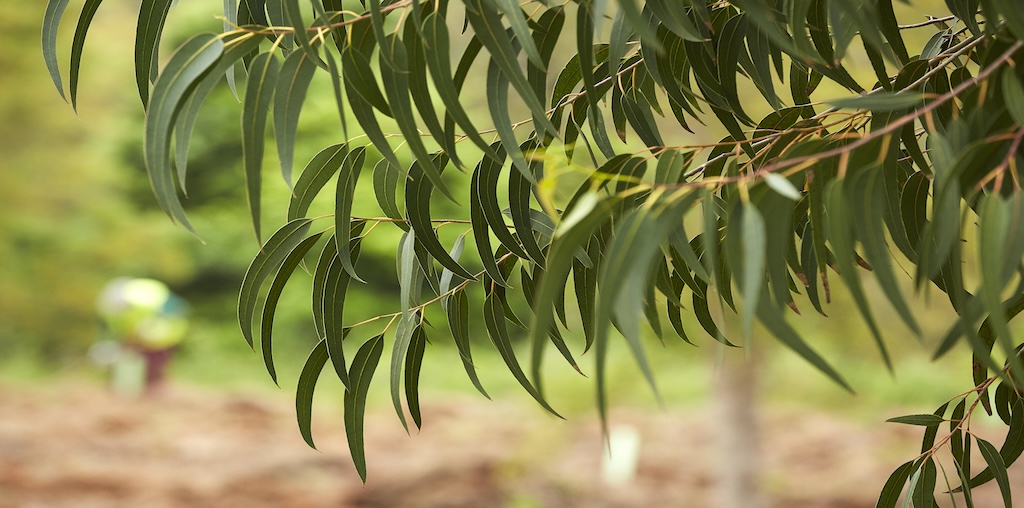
(78, 446)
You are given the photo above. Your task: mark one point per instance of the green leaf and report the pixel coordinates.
(675, 19)
(361, 373)
(152, 16)
(1013, 95)
(417, 207)
(316, 174)
(293, 13)
(575, 229)
(324, 263)
(335, 286)
(487, 191)
(490, 31)
(385, 184)
(497, 103)
(998, 469)
(890, 494)
(880, 102)
(51, 21)
(923, 420)
(434, 30)
(782, 185)
(289, 94)
(481, 234)
(348, 177)
(494, 320)
(274, 295)
(396, 85)
(236, 47)
(517, 22)
(359, 76)
(259, 91)
(747, 250)
(188, 64)
(447, 276)
(305, 388)
(840, 231)
(413, 363)
(266, 261)
(923, 494)
(458, 321)
(519, 190)
(776, 324)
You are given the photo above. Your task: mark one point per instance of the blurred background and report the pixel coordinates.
(77, 212)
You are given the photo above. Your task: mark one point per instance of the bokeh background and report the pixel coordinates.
(76, 211)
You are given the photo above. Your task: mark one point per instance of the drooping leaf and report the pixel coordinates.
(271, 255)
(188, 63)
(316, 174)
(494, 319)
(890, 494)
(458, 321)
(259, 92)
(361, 373)
(348, 176)
(998, 469)
(51, 21)
(413, 363)
(152, 16)
(305, 387)
(289, 94)
(274, 295)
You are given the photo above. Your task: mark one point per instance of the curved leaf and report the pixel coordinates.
(51, 21)
(192, 59)
(266, 261)
(314, 176)
(306, 386)
(361, 373)
(78, 44)
(270, 306)
(152, 16)
(259, 91)
(289, 94)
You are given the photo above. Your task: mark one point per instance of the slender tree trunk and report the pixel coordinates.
(737, 433)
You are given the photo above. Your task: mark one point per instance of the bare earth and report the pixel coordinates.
(78, 446)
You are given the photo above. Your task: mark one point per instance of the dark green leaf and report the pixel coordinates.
(458, 320)
(305, 387)
(998, 469)
(494, 319)
(316, 174)
(274, 295)
(361, 373)
(413, 363)
(152, 16)
(266, 261)
(259, 92)
(289, 94)
(348, 176)
(894, 486)
(924, 420)
(417, 207)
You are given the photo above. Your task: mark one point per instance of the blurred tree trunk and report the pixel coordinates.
(738, 433)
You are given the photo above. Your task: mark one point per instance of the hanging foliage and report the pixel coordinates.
(762, 222)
